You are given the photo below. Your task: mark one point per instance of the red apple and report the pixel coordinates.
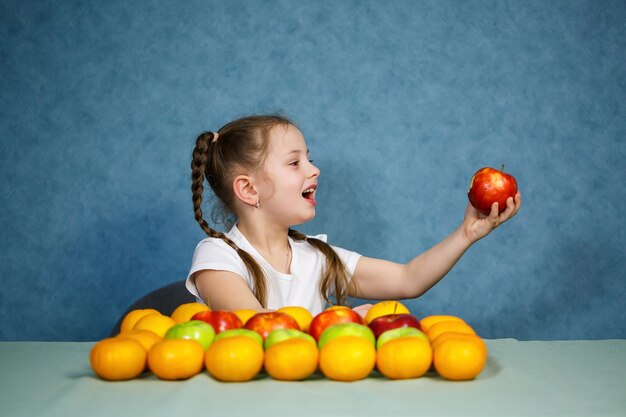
(488, 186)
(329, 317)
(393, 321)
(263, 323)
(220, 319)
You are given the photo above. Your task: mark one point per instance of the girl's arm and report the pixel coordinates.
(384, 280)
(224, 290)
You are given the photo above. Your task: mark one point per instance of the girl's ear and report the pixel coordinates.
(244, 189)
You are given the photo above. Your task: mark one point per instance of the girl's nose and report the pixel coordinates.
(315, 171)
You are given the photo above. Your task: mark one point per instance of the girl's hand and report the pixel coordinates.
(476, 225)
(362, 309)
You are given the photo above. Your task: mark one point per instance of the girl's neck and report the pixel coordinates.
(265, 239)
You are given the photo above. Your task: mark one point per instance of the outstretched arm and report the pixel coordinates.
(379, 279)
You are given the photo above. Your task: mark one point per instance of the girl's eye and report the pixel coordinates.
(295, 163)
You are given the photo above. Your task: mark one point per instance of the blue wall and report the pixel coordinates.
(400, 101)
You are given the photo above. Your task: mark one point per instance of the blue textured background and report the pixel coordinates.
(400, 101)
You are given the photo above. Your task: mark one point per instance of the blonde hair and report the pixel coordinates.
(243, 144)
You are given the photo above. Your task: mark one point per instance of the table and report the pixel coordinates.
(521, 378)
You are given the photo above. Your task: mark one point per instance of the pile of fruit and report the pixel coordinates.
(289, 344)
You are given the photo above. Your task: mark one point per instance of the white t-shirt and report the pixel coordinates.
(300, 288)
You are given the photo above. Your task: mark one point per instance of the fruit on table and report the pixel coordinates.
(145, 337)
(392, 321)
(459, 359)
(173, 359)
(346, 329)
(301, 314)
(347, 358)
(118, 359)
(234, 359)
(404, 357)
(239, 332)
(156, 323)
(488, 186)
(448, 326)
(185, 312)
(384, 308)
(197, 330)
(328, 318)
(280, 335)
(220, 319)
(244, 314)
(129, 320)
(263, 323)
(400, 332)
(293, 359)
(429, 321)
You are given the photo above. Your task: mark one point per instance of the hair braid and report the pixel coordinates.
(336, 277)
(198, 168)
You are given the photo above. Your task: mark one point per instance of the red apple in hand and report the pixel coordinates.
(329, 317)
(220, 319)
(264, 323)
(393, 321)
(490, 186)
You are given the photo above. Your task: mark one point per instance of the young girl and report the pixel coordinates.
(259, 169)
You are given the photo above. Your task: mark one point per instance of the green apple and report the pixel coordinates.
(346, 329)
(279, 335)
(399, 332)
(197, 330)
(239, 332)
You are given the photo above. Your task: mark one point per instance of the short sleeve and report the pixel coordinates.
(215, 254)
(348, 257)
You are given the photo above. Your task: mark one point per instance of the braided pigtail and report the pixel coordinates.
(199, 162)
(336, 277)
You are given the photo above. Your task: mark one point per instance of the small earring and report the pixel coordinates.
(257, 205)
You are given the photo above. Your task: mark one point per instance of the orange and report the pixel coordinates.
(458, 359)
(234, 359)
(293, 359)
(147, 338)
(184, 312)
(347, 358)
(301, 314)
(117, 359)
(244, 314)
(448, 326)
(156, 323)
(429, 321)
(464, 336)
(384, 308)
(404, 357)
(173, 359)
(129, 320)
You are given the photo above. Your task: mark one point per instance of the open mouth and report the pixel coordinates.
(309, 194)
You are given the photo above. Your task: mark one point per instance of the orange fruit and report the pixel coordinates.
(458, 359)
(301, 314)
(384, 308)
(404, 357)
(173, 359)
(117, 359)
(184, 312)
(464, 336)
(147, 338)
(234, 359)
(129, 320)
(429, 321)
(156, 323)
(293, 359)
(448, 326)
(347, 358)
(244, 314)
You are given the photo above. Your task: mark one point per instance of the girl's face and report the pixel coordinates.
(288, 184)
